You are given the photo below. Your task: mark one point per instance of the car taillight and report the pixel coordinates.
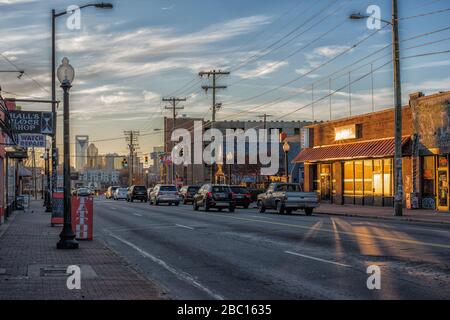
(233, 195)
(248, 195)
(210, 195)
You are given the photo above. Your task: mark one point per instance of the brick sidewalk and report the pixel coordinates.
(384, 213)
(32, 268)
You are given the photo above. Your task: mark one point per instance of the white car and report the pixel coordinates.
(120, 194)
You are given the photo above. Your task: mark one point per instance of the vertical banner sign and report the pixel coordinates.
(58, 208)
(82, 217)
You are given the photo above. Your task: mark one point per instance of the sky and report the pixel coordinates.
(284, 56)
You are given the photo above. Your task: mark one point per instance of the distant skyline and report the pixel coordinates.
(128, 58)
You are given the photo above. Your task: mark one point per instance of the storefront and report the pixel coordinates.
(351, 160)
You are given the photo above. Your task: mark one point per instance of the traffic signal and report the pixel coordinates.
(124, 163)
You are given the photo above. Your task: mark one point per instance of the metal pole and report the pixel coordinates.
(398, 198)
(67, 237)
(213, 167)
(286, 166)
(54, 152)
(48, 202)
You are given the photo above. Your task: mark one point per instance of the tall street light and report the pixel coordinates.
(66, 74)
(286, 149)
(398, 198)
(55, 15)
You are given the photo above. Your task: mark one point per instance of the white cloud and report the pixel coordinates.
(263, 68)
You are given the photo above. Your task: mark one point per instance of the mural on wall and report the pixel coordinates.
(432, 122)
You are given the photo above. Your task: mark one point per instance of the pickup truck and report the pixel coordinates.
(287, 197)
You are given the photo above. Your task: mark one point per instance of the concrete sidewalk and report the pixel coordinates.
(384, 213)
(32, 268)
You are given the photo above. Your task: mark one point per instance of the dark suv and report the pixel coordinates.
(243, 196)
(217, 196)
(188, 192)
(137, 193)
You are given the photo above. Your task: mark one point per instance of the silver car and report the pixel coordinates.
(120, 194)
(165, 193)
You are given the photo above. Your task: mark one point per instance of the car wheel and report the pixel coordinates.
(177, 204)
(156, 203)
(195, 206)
(246, 206)
(231, 209)
(309, 211)
(261, 207)
(206, 205)
(280, 207)
(289, 211)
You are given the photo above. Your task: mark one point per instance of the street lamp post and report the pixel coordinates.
(398, 167)
(286, 148)
(66, 74)
(229, 159)
(55, 15)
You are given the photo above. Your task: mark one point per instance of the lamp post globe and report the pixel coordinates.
(286, 149)
(65, 72)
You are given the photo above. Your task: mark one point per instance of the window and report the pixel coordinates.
(297, 131)
(388, 181)
(359, 182)
(349, 183)
(368, 177)
(429, 172)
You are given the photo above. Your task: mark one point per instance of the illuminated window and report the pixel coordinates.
(387, 177)
(349, 183)
(368, 177)
(359, 178)
(377, 177)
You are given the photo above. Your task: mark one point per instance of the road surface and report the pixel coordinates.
(247, 255)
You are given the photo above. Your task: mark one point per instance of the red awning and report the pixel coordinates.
(365, 149)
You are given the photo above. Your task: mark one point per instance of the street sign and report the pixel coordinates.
(29, 140)
(32, 122)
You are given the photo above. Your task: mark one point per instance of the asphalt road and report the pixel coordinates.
(247, 255)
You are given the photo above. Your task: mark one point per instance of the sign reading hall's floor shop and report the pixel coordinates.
(32, 122)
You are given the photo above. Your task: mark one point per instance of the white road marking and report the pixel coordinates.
(186, 227)
(137, 214)
(180, 274)
(317, 259)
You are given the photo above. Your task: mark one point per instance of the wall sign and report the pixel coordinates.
(345, 132)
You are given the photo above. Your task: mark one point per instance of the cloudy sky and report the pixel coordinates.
(128, 58)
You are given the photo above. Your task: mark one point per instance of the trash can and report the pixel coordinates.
(82, 217)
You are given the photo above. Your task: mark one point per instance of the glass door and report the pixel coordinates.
(442, 188)
(325, 182)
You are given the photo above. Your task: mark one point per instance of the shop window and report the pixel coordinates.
(368, 177)
(349, 183)
(388, 181)
(377, 179)
(359, 182)
(429, 172)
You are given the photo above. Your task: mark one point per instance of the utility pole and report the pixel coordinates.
(174, 109)
(131, 138)
(214, 87)
(398, 200)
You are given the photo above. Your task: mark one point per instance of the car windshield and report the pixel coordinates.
(122, 190)
(114, 188)
(240, 190)
(289, 188)
(193, 189)
(168, 188)
(140, 189)
(221, 189)
(83, 190)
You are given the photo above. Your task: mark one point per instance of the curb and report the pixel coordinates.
(405, 218)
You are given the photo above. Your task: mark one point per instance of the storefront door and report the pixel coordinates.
(325, 182)
(442, 189)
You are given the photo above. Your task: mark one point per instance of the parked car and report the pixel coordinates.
(165, 193)
(83, 192)
(110, 192)
(255, 192)
(243, 198)
(187, 193)
(137, 193)
(287, 197)
(120, 194)
(217, 196)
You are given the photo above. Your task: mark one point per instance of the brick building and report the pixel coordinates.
(351, 160)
